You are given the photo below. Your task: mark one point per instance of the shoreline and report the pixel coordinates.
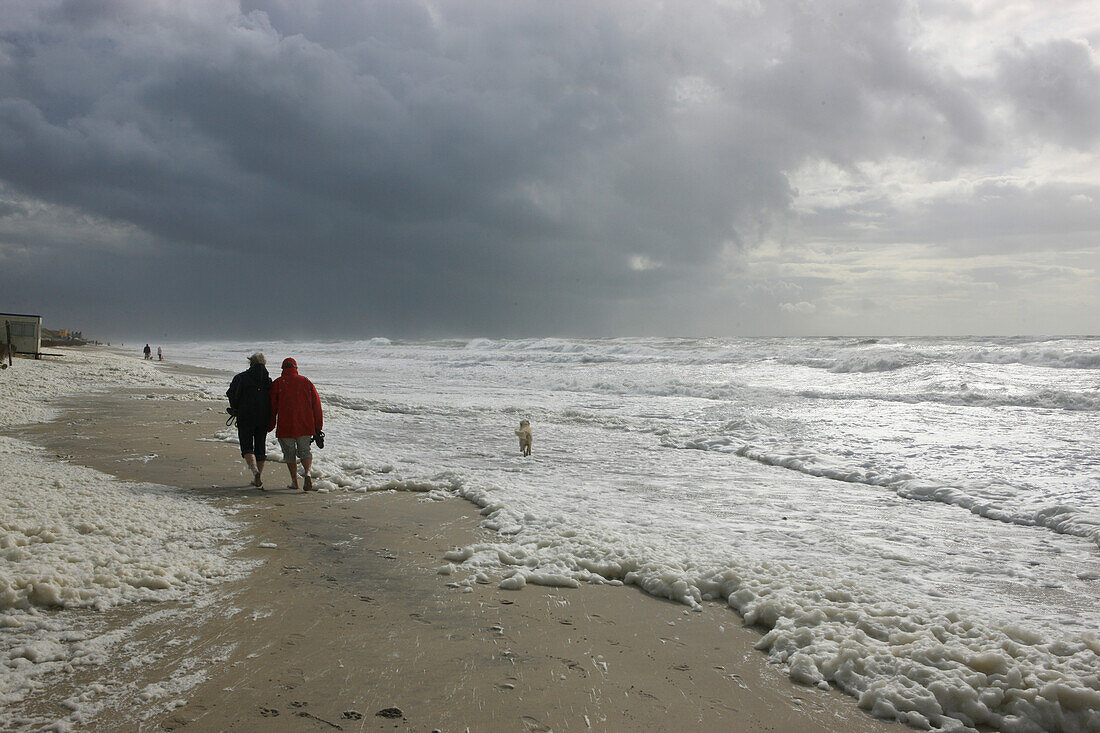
(347, 615)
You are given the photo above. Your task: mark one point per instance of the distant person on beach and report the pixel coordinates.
(147, 351)
(160, 354)
(295, 418)
(250, 402)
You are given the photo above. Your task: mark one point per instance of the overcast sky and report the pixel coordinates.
(287, 168)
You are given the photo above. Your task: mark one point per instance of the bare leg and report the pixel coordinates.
(307, 463)
(292, 466)
(250, 461)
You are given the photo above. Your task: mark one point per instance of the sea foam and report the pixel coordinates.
(913, 521)
(75, 542)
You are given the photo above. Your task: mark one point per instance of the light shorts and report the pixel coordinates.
(296, 449)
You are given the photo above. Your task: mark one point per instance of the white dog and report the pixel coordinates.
(525, 437)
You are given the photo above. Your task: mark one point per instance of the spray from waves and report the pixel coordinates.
(872, 355)
(365, 404)
(866, 356)
(965, 396)
(601, 351)
(350, 405)
(872, 364)
(861, 364)
(1062, 519)
(960, 394)
(1054, 358)
(893, 360)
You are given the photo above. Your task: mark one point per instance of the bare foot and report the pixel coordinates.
(309, 484)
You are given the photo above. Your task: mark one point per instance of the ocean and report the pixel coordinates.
(915, 521)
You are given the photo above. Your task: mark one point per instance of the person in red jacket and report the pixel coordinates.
(295, 418)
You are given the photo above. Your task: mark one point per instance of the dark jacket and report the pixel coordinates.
(295, 406)
(248, 396)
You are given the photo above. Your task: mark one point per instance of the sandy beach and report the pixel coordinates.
(683, 366)
(346, 623)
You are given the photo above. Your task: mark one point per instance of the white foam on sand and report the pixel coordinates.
(72, 537)
(30, 388)
(75, 543)
(932, 669)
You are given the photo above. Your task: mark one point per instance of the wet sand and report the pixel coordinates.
(346, 624)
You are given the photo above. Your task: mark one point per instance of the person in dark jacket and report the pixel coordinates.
(295, 418)
(249, 400)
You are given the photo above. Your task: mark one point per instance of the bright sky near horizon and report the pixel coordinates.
(295, 168)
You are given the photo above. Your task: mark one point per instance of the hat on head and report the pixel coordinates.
(289, 363)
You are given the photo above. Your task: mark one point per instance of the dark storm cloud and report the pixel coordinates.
(460, 167)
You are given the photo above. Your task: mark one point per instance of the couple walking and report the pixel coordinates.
(290, 406)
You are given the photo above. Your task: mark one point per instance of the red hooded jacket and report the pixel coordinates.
(295, 404)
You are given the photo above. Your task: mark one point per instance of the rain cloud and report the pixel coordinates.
(407, 168)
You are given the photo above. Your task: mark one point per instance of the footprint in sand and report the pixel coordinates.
(269, 712)
(391, 713)
(570, 664)
(508, 684)
(737, 678)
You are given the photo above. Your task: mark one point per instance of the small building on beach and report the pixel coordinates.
(23, 332)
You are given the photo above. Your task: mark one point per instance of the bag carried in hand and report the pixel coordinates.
(319, 438)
